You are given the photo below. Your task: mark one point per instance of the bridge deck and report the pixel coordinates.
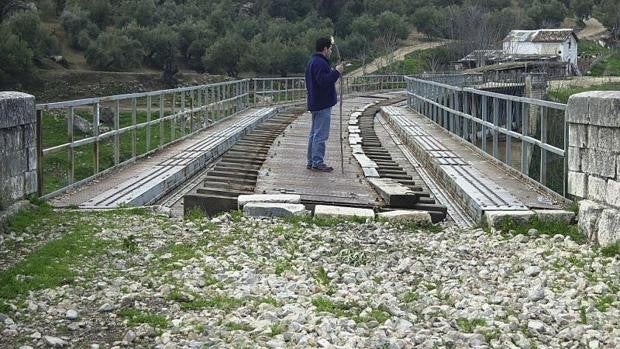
(149, 178)
(478, 182)
(285, 170)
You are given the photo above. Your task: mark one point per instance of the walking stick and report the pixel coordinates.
(340, 107)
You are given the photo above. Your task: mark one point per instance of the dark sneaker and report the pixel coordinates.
(308, 166)
(323, 168)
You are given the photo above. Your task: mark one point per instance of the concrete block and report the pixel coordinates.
(15, 163)
(30, 182)
(589, 214)
(613, 193)
(592, 137)
(495, 219)
(597, 188)
(555, 216)
(16, 108)
(578, 184)
(577, 135)
(604, 108)
(242, 200)
(342, 211)
(14, 188)
(29, 134)
(577, 110)
(271, 209)
(574, 159)
(608, 227)
(616, 141)
(370, 172)
(394, 193)
(11, 139)
(599, 162)
(364, 160)
(606, 139)
(32, 158)
(421, 217)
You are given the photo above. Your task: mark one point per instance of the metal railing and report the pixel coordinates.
(80, 140)
(500, 125)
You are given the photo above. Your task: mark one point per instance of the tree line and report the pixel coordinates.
(265, 37)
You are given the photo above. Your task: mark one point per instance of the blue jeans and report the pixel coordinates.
(319, 132)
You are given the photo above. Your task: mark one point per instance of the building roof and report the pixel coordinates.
(540, 35)
(502, 56)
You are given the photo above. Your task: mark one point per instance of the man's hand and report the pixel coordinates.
(340, 68)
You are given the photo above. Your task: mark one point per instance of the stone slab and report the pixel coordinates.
(269, 209)
(600, 108)
(495, 219)
(597, 188)
(555, 216)
(16, 108)
(589, 214)
(421, 217)
(578, 184)
(370, 172)
(613, 193)
(608, 227)
(242, 200)
(394, 193)
(342, 211)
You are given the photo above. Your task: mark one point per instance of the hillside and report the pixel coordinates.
(249, 37)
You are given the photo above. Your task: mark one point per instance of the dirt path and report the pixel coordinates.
(593, 30)
(413, 44)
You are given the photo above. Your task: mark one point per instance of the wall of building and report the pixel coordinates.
(18, 152)
(594, 162)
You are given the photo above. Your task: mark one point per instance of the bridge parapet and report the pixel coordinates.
(18, 152)
(594, 162)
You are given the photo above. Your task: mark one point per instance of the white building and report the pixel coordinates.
(545, 42)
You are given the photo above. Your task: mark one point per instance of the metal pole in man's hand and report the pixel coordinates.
(341, 97)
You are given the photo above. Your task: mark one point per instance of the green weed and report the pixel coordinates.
(137, 317)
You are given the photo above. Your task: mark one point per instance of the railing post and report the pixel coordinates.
(70, 152)
(96, 135)
(117, 147)
(543, 152)
(39, 138)
(509, 128)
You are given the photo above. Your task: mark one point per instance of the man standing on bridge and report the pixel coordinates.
(321, 85)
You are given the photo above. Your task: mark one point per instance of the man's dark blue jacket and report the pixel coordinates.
(321, 83)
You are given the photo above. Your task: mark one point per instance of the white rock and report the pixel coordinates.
(536, 326)
(55, 342)
(532, 271)
(71, 314)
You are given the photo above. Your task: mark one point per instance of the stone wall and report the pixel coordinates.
(594, 162)
(18, 151)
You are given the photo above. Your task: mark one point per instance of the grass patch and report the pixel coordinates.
(611, 250)
(137, 317)
(325, 222)
(603, 303)
(583, 317)
(561, 95)
(51, 265)
(340, 309)
(410, 297)
(322, 278)
(468, 326)
(195, 302)
(235, 326)
(350, 310)
(277, 329)
(549, 228)
(282, 266)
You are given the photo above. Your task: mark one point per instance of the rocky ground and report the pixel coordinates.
(145, 280)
